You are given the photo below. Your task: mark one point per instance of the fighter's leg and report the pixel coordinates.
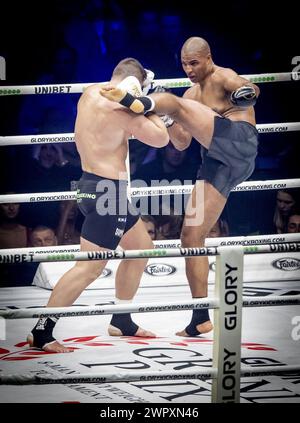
(206, 209)
(65, 292)
(128, 278)
(73, 282)
(195, 117)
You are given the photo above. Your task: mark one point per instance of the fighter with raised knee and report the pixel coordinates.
(218, 112)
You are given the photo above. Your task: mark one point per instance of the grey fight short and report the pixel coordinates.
(230, 158)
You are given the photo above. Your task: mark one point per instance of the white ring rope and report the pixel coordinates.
(168, 83)
(143, 376)
(137, 254)
(152, 375)
(75, 311)
(203, 303)
(171, 243)
(263, 128)
(149, 191)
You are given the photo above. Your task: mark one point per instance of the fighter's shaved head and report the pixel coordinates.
(195, 45)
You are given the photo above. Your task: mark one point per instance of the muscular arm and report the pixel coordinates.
(231, 81)
(150, 130)
(180, 138)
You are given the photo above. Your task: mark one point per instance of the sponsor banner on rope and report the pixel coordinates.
(274, 248)
(152, 191)
(16, 258)
(59, 197)
(254, 240)
(48, 139)
(259, 187)
(279, 248)
(52, 89)
(280, 127)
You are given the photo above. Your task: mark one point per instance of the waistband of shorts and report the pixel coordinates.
(249, 124)
(87, 176)
(239, 121)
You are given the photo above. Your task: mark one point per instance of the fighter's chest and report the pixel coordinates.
(212, 96)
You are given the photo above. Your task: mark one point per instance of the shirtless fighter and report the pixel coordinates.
(102, 130)
(218, 112)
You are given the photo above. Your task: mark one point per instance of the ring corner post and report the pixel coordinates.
(228, 325)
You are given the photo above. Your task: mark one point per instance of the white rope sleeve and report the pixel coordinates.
(149, 191)
(263, 128)
(168, 83)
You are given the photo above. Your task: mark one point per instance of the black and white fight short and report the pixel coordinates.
(108, 213)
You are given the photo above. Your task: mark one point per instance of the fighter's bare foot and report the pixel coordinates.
(201, 328)
(123, 97)
(54, 346)
(143, 333)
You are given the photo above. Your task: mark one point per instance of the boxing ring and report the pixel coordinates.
(235, 365)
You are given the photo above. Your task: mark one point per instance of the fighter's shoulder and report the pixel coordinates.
(92, 97)
(221, 74)
(87, 94)
(91, 91)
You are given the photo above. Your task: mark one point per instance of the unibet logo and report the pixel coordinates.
(160, 269)
(287, 264)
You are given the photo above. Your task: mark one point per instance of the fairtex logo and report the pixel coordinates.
(160, 269)
(287, 264)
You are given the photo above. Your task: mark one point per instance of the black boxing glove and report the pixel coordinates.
(244, 96)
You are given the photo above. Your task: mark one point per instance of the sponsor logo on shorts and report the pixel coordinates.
(160, 269)
(87, 195)
(287, 264)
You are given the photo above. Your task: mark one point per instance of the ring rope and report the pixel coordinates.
(168, 83)
(263, 128)
(196, 304)
(170, 243)
(75, 311)
(149, 191)
(149, 375)
(137, 254)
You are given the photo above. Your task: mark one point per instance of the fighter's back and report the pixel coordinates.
(100, 141)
